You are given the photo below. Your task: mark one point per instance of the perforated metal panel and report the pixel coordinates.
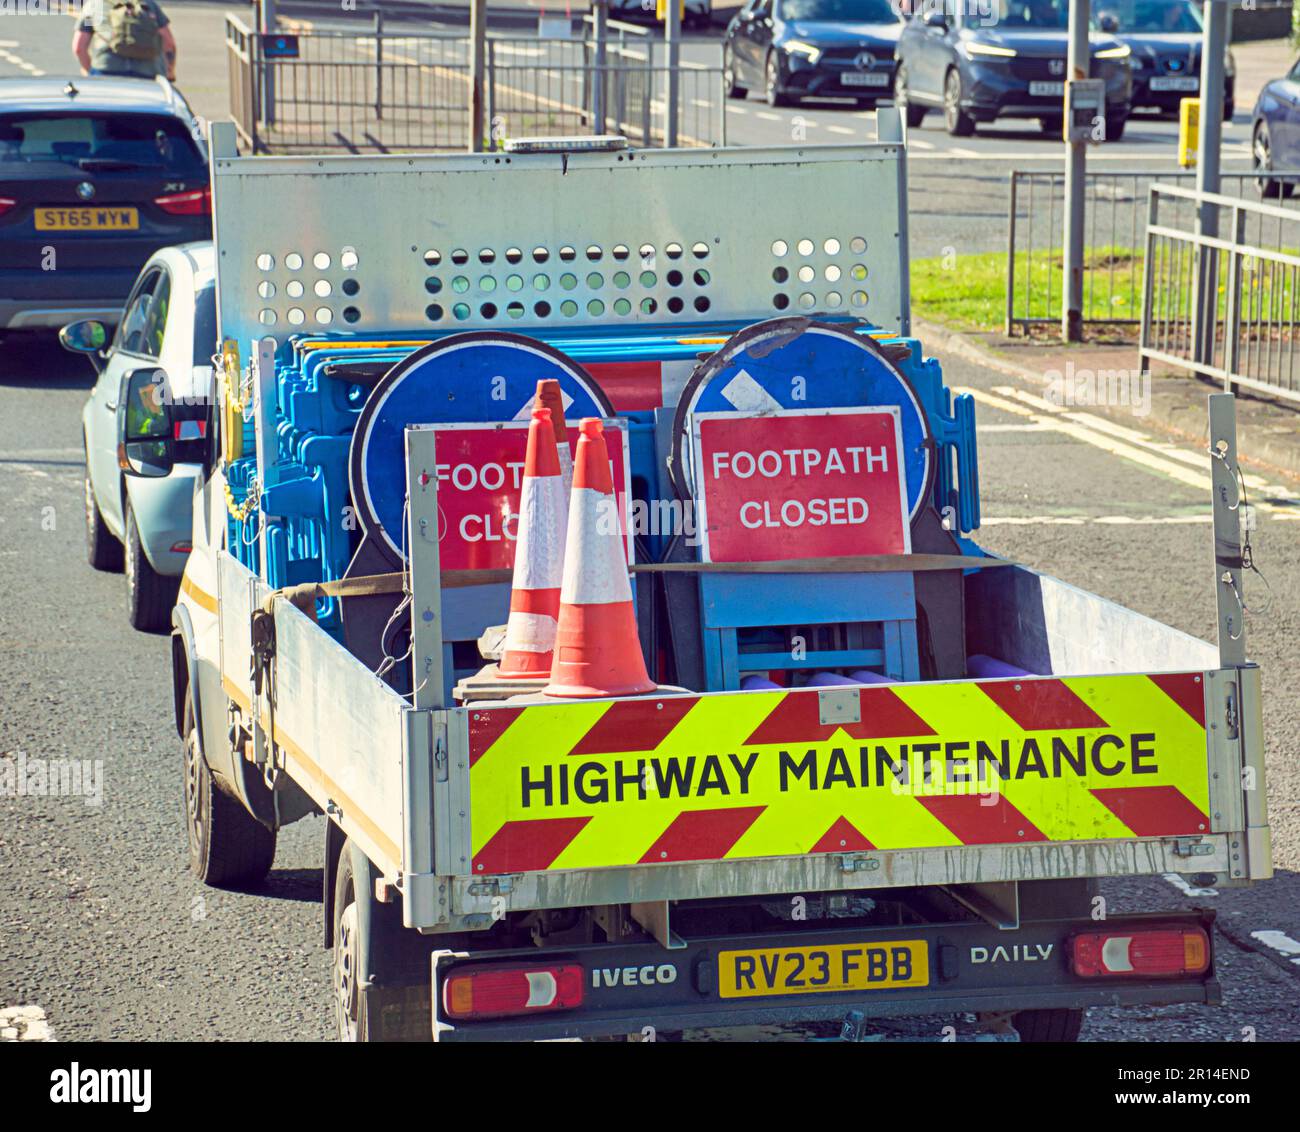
(458, 242)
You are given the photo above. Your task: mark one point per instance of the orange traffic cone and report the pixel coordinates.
(539, 558)
(550, 396)
(597, 652)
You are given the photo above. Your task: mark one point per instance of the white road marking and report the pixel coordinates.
(1135, 448)
(737, 110)
(24, 1024)
(919, 143)
(767, 115)
(840, 130)
(960, 151)
(1186, 889)
(1013, 428)
(1085, 520)
(8, 43)
(1280, 942)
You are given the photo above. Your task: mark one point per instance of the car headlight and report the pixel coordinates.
(989, 49)
(798, 47)
(1123, 51)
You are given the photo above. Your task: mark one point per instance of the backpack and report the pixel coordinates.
(133, 31)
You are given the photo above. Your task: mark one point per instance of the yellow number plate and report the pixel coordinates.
(832, 967)
(87, 219)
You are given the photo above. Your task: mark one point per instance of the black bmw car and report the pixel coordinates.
(96, 174)
(1006, 60)
(794, 49)
(1165, 38)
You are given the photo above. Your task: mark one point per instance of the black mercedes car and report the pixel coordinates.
(1165, 38)
(794, 49)
(96, 174)
(1006, 61)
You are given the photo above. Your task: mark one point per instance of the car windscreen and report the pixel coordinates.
(1039, 15)
(1174, 17)
(100, 141)
(841, 11)
(205, 326)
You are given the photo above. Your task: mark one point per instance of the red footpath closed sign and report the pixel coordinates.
(480, 476)
(801, 483)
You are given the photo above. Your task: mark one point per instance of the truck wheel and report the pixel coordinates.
(229, 848)
(1048, 1025)
(103, 551)
(352, 1027)
(149, 595)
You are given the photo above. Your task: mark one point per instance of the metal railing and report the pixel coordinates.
(377, 92)
(1225, 306)
(1115, 211)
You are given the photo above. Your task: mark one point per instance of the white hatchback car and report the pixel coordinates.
(169, 323)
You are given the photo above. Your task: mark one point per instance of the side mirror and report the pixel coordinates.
(144, 424)
(1108, 22)
(87, 337)
(935, 18)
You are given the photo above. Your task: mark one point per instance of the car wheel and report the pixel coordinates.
(1261, 151)
(1115, 124)
(228, 847)
(729, 84)
(1229, 109)
(149, 595)
(103, 551)
(1050, 128)
(912, 113)
(772, 78)
(1060, 1025)
(959, 123)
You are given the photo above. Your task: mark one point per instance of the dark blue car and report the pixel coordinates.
(1275, 133)
(1165, 38)
(96, 174)
(1004, 59)
(794, 49)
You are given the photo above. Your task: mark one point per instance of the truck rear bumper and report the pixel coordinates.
(726, 981)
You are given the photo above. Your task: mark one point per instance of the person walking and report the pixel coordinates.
(125, 37)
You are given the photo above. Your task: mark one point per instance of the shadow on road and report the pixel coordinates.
(303, 885)
(35, 360)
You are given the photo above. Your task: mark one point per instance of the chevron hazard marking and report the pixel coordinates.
(654, 780)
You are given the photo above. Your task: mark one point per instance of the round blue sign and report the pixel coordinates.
(479, 376)
(791, 363)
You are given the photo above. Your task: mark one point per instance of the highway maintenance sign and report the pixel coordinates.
(800, 483)
(480, 471)
(663, 779)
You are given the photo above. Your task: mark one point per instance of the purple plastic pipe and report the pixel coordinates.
(990, 667)
(757, 683)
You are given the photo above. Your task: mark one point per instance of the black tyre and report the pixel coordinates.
(1115, 124)
(1050, 128)
(349, 1013)
(1261, 150)
(1229, 109)
(1048, 1025)
(229, 848)
(103, 551)
(772, 82)
(959, 123)
(733, 88)
(149, 595)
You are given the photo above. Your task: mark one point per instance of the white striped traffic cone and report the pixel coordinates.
(551, 396)
(597, 652)
(539, 558)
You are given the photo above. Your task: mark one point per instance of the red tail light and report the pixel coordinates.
(497, 992)
(1142, 955)
(196, 203)
(6, 204)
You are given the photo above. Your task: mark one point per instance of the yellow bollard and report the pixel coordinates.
(1189, 129)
